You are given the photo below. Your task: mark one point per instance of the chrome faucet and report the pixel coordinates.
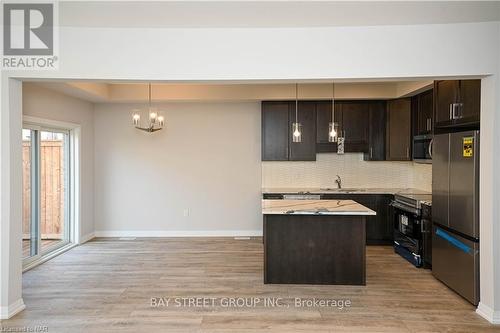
(339, 181)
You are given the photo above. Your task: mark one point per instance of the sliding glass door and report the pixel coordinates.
(46, 168)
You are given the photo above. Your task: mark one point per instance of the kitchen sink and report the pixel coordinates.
(343, 190)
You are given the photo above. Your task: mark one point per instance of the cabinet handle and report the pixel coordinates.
(371, 152)
(451, 110)
(407, 152)
(457, 107)
(430, 147)
(429, 124)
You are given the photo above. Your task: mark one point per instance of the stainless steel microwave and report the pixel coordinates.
(422, 148)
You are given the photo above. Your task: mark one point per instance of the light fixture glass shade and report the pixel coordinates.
(153, 114)
(296, 132)
(161, 121)
(136, 118)
(333, 131)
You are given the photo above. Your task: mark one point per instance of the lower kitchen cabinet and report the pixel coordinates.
(379, 228)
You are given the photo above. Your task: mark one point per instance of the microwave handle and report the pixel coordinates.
(430, 147)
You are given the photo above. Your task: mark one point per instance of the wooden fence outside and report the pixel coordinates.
(51, 189)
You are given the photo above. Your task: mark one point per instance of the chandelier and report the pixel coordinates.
(155, 119)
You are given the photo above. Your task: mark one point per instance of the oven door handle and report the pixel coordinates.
(404, 207)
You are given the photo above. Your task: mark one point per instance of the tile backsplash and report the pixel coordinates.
(355, 172)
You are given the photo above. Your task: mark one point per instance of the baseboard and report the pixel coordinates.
(86, 238)
(488, 313)
(10, 311)
(177, 233)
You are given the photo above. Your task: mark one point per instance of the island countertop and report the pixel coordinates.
(314, 207)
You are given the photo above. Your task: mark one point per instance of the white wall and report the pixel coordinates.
(47, 104)
(206, 160)
(268, 54)
(355, 172)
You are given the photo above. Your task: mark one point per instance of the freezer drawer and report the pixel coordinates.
(455, 262)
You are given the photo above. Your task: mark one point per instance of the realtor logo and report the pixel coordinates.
(28, 29)
(29, 36)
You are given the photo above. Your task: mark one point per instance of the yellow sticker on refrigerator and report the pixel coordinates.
(468, 143)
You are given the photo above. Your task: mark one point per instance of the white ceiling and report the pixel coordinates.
(205, 14)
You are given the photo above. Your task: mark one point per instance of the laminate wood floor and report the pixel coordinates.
(106, 285)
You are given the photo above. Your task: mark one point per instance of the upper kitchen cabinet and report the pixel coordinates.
(355, 125)
(422, 112)
(275, 131)
(457, 103)
(306, 149)
(376, 132)
(398, 130)
(323, 119)
(277, 119)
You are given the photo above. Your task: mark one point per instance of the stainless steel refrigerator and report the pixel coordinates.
(455, 212)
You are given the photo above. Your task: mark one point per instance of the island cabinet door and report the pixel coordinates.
(314, 249)
(378, 227)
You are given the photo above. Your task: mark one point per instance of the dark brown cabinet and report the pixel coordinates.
(379, 228)
(457, 102)
(376, 132)
(422, 113)
(323, 119)
(306, 149)
(353, 118)
(276, 122)
(398, 130)
(355, 125)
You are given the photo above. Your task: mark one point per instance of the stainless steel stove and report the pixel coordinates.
(409, 229)
(412, 200)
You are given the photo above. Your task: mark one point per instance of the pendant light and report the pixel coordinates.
(155, 120)
(296, 126)
(333, 126)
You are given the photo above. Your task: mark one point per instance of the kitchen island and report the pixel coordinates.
(314, 241)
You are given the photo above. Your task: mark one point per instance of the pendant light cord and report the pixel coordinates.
(296, 102)
(333, 102)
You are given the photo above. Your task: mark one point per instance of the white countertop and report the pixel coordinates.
(314, 207)
(313, 190)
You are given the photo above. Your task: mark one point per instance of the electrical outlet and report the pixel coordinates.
(186, 212)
